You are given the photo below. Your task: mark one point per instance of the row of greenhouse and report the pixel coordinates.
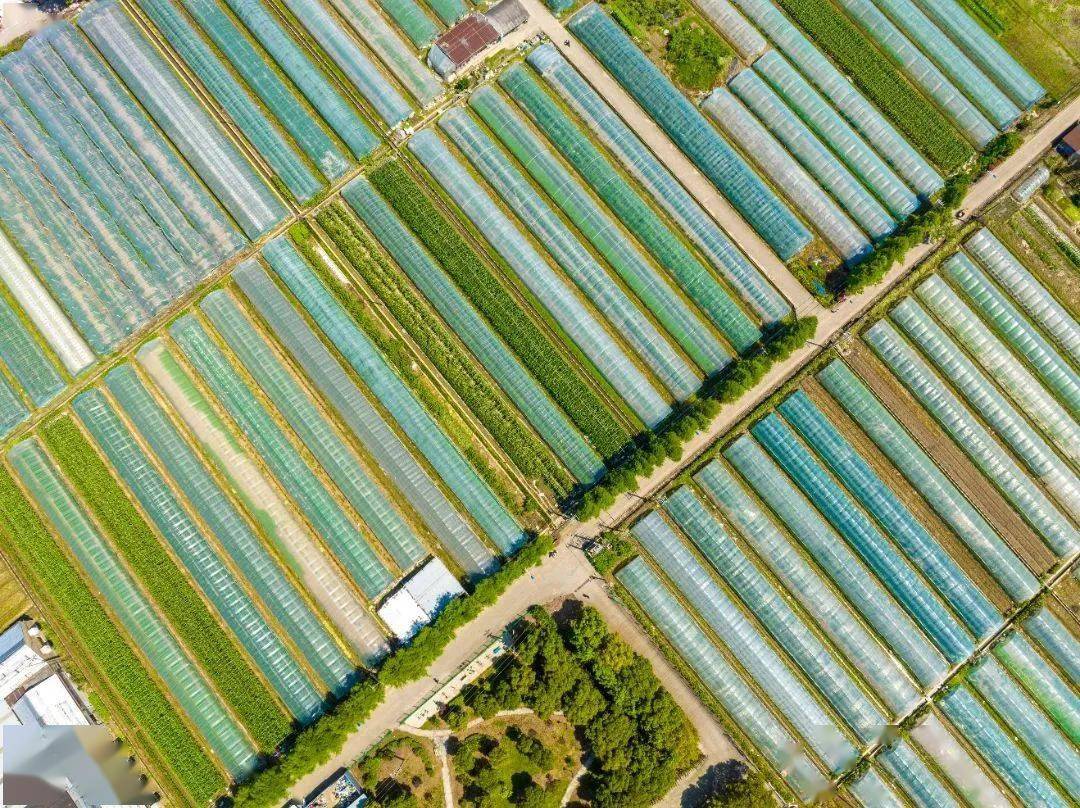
(893, 544)
(793, 144)
(124, 157)
(243, 493)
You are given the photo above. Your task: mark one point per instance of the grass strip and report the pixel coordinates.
(166, 737)
(322, 740)
(536, 351)
(227, 670)
(484, 399)
(397, 354)
(926, 127)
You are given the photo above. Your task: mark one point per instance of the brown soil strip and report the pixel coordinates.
(951, 458)
(908, 495)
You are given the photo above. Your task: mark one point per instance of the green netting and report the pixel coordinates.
(449, 11)
(698, 283)
(282, 457)
(133, 609)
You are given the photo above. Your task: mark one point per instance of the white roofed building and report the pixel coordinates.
(419, 599)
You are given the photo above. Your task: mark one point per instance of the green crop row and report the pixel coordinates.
(398, 356)
(437, 341)
(927, 128)
(536, 351)
(157, 725)
(213, 650)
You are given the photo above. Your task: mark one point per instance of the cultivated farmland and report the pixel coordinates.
(896, 527)
(284, 319)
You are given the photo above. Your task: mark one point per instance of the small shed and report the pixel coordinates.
(419, 599)
(1069, 144)
(462, 42)
(507, 15)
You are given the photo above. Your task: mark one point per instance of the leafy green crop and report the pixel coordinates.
(154, 720)
(566, 386)
(927, 128)
(402, 360)
(213, 650)
(482, 396)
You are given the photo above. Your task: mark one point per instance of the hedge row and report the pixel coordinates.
(696, 414)
(927, 128)
(213, 650)
(403, 362)
(326, 737)
(536, 351)
(484, 399)
(930, 223)
(168, 739)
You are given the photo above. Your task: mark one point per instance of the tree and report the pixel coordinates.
(746, 788)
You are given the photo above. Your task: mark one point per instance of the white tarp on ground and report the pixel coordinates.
(420, 599)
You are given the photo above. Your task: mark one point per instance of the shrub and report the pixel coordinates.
(655, 447)
(215, 652)
(697, 55)
(537, 352)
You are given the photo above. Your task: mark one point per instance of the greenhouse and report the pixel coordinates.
(980, 730)
(745, 644)
(917, 781)
(870, 791)
(240, 471)
(42, 310)
(282, 457)
(768, 604)
(926, 478)
(664, 245)
(797, 138)
(195, 552)
(1041, 681)
(674, 372)
(668, 192)
(864, 652)
(292, 60)
(544, 415)
(984, 451)
(921, 71)
(688, 129)
(229, 528)
(858, 584)
(1057, 641)
(746, 39)
(740, 701)
(866, 540)
(313, 429)
(1011, 325)
(995, 104)
(836, 133)
(914, 540)
(270, 88)
(1006, 422)
(602, 231)
(186, 123)
(859, 112)
(1031, 296)
(816, 206)
(541, 279)
(26, 359)
(957, 764)
(385, 42)
(260, 131)
(985, 50)
(478, 499)
(411, 19)
(365, 422)
(146, 627)
(376, 89)
(996, 359)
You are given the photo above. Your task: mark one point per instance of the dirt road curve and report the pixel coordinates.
(568, 572)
